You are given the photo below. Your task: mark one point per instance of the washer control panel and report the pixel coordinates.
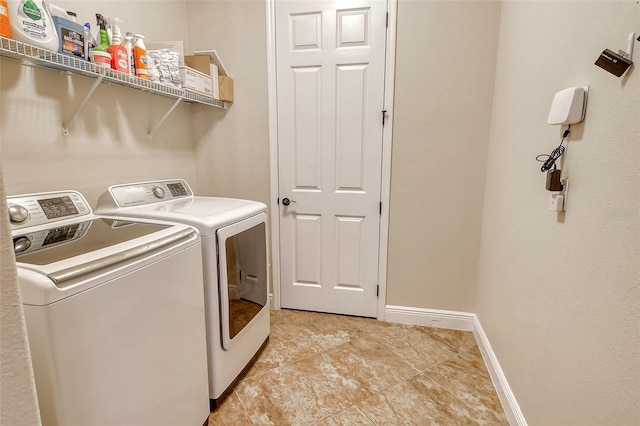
(139, 194)
(37, 209)
(46, 238)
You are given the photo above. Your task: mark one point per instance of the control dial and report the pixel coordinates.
(21, 244)
(17, 213)
(158, 192)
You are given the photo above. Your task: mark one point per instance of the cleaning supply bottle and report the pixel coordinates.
(89, 40)
(119, 61)
(5, 24)
(31, 23)
(128, 46)
(70, 33)
(103, 46)
(72, 16)
(140, 57)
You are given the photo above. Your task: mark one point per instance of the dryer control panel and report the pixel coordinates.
(37, 209)
(144, 193)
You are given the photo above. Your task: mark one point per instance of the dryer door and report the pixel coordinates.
(242, 264)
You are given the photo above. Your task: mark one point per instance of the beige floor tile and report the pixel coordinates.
(468, 380)
(367, 325)
(350, 417)
(424, 347)
(280, 350)
(369, 364)
(230, 413)
(303, 392)
(417, 401)
(317, 331)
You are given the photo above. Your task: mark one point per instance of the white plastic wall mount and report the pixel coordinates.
(569, 106)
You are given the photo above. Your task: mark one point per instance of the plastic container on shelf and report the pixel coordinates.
(5, 22)
(102, 44)
(72, 16)
(101, 59)
(128, 47)
(119, 60)
(31, 23)
(140, 57)
(70, 34)
(89, 40)
(55, 10)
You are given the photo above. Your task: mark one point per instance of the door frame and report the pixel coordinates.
(387, 139)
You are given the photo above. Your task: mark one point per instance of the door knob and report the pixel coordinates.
(286, 201)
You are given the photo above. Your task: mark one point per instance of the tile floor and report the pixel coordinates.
(321, 369)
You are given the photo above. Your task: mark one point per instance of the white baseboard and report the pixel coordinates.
(465, 321)
(429, 317)
(507, 398)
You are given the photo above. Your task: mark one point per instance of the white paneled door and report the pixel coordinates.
(330, 90)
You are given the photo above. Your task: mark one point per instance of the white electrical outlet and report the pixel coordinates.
(556, 202)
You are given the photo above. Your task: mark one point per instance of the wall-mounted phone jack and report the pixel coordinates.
(558, 200)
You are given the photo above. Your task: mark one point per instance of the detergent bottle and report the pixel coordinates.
(70, 33)
(140, 57)
(31, 23)
(5, 24)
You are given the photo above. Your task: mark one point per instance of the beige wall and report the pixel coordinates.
(232, 151)
(558, 294)
(445, 67)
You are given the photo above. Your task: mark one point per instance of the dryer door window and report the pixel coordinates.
(243, 275)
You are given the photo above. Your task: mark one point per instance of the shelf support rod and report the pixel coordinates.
(162, 120)
(65, 126)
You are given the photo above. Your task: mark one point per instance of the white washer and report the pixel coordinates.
(114, 313)
(234, 250)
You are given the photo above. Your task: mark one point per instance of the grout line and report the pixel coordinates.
(244, 408)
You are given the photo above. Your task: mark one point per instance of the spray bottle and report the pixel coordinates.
(103, 46)
(119, 59)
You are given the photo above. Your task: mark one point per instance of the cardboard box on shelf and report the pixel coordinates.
(225, 83)
(201, 63)
(226, 88)
(195, 81)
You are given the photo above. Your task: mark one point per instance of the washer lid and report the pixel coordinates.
(69, 240)
(204, 213)
(76, 256)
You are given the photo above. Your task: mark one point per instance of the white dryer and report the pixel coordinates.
(234, 258)
(114, 313)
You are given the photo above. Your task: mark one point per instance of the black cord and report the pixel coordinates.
(549, 160)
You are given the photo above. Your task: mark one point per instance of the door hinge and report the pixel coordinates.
(384, 116)
(387, 21)
(377, 291)
(380, 208)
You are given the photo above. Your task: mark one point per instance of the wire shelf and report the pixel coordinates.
(32, 55)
